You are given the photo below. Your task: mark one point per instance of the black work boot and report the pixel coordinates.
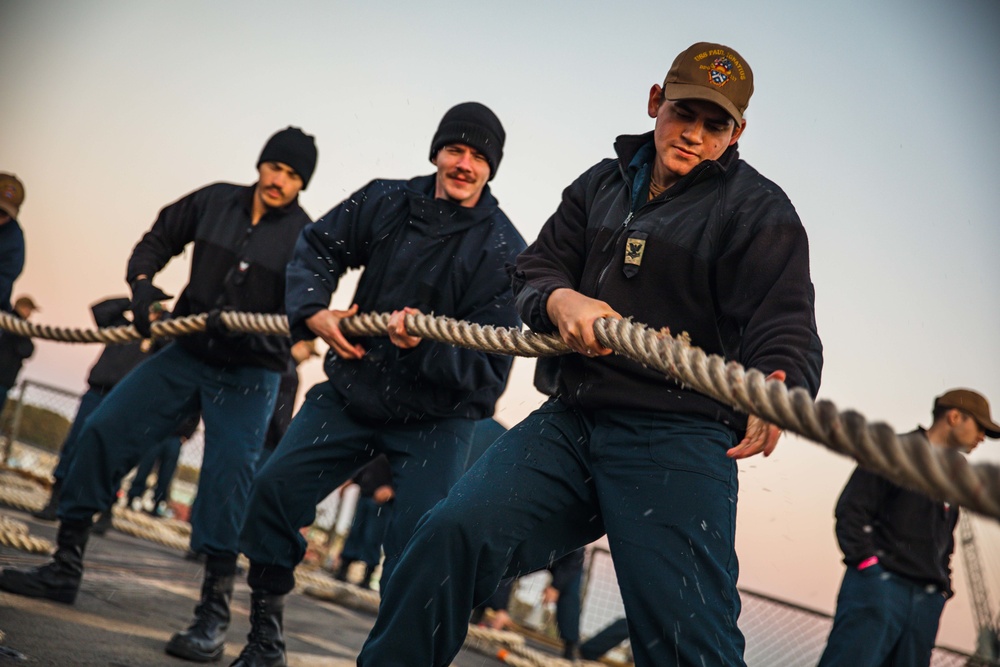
(59, 579)
(103, 523)
(205, 639)
(48, 513)
(265, 643)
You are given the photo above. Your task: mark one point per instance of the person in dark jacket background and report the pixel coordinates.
(114, 363)
(14, 349)
(436, 243)
(676, 231)
(243, 237)
(897, 547)
(11, 236)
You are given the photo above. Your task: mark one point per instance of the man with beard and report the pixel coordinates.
(242, 237)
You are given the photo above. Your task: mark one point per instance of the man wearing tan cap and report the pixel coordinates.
(11, 237)
(675, 231)
(897, 546)
(14, 349)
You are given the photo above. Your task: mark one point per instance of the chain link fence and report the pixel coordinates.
(778, 633)
(38, 415)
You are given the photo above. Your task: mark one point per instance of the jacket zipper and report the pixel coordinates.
(240, 248)
(624, 227)
(613, 241)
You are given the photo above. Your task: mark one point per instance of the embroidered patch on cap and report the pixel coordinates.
(720, 71)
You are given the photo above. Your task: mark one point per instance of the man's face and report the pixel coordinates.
(462, 172)
(966, 433)
(278, 185)
(688, 132)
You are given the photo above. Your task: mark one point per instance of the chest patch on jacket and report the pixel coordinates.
(634, 248)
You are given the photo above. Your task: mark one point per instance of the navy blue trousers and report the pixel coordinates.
(88, 403)
(321, 449)
(568, 610)
(165, 458)
(606, 639)
(364, 541)
(4, 390)
(660, 484)
(883, 620)
(147, 407)
(486, 432)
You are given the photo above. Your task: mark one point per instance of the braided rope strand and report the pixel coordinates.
(908, 460)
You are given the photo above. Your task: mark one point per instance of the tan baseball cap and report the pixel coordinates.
(711, 72)
(11, 194)
(973, 403)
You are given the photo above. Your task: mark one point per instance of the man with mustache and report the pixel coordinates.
(437, 243)
(897, 547)
(243, 238)
(675, 231)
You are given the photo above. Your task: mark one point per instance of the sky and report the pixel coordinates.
(877, 119)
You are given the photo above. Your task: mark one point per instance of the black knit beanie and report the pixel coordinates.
(293, 147)
(472, 124)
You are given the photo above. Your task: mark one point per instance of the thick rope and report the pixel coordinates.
(109, 336)
(166, 532)
(14, 533)
(908, 460)
(21, 493)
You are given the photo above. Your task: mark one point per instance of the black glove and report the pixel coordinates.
(144, 295)
(214, 324)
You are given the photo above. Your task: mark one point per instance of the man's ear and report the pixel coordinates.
(655, 100)
(738, 132)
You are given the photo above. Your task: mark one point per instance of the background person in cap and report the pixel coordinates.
(437, 243)
(897, 546)
(676, 231)
(243, 237)
(11, 236)
(14, 349)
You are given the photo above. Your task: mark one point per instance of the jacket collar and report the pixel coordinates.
(628, 146)
(440, 217)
